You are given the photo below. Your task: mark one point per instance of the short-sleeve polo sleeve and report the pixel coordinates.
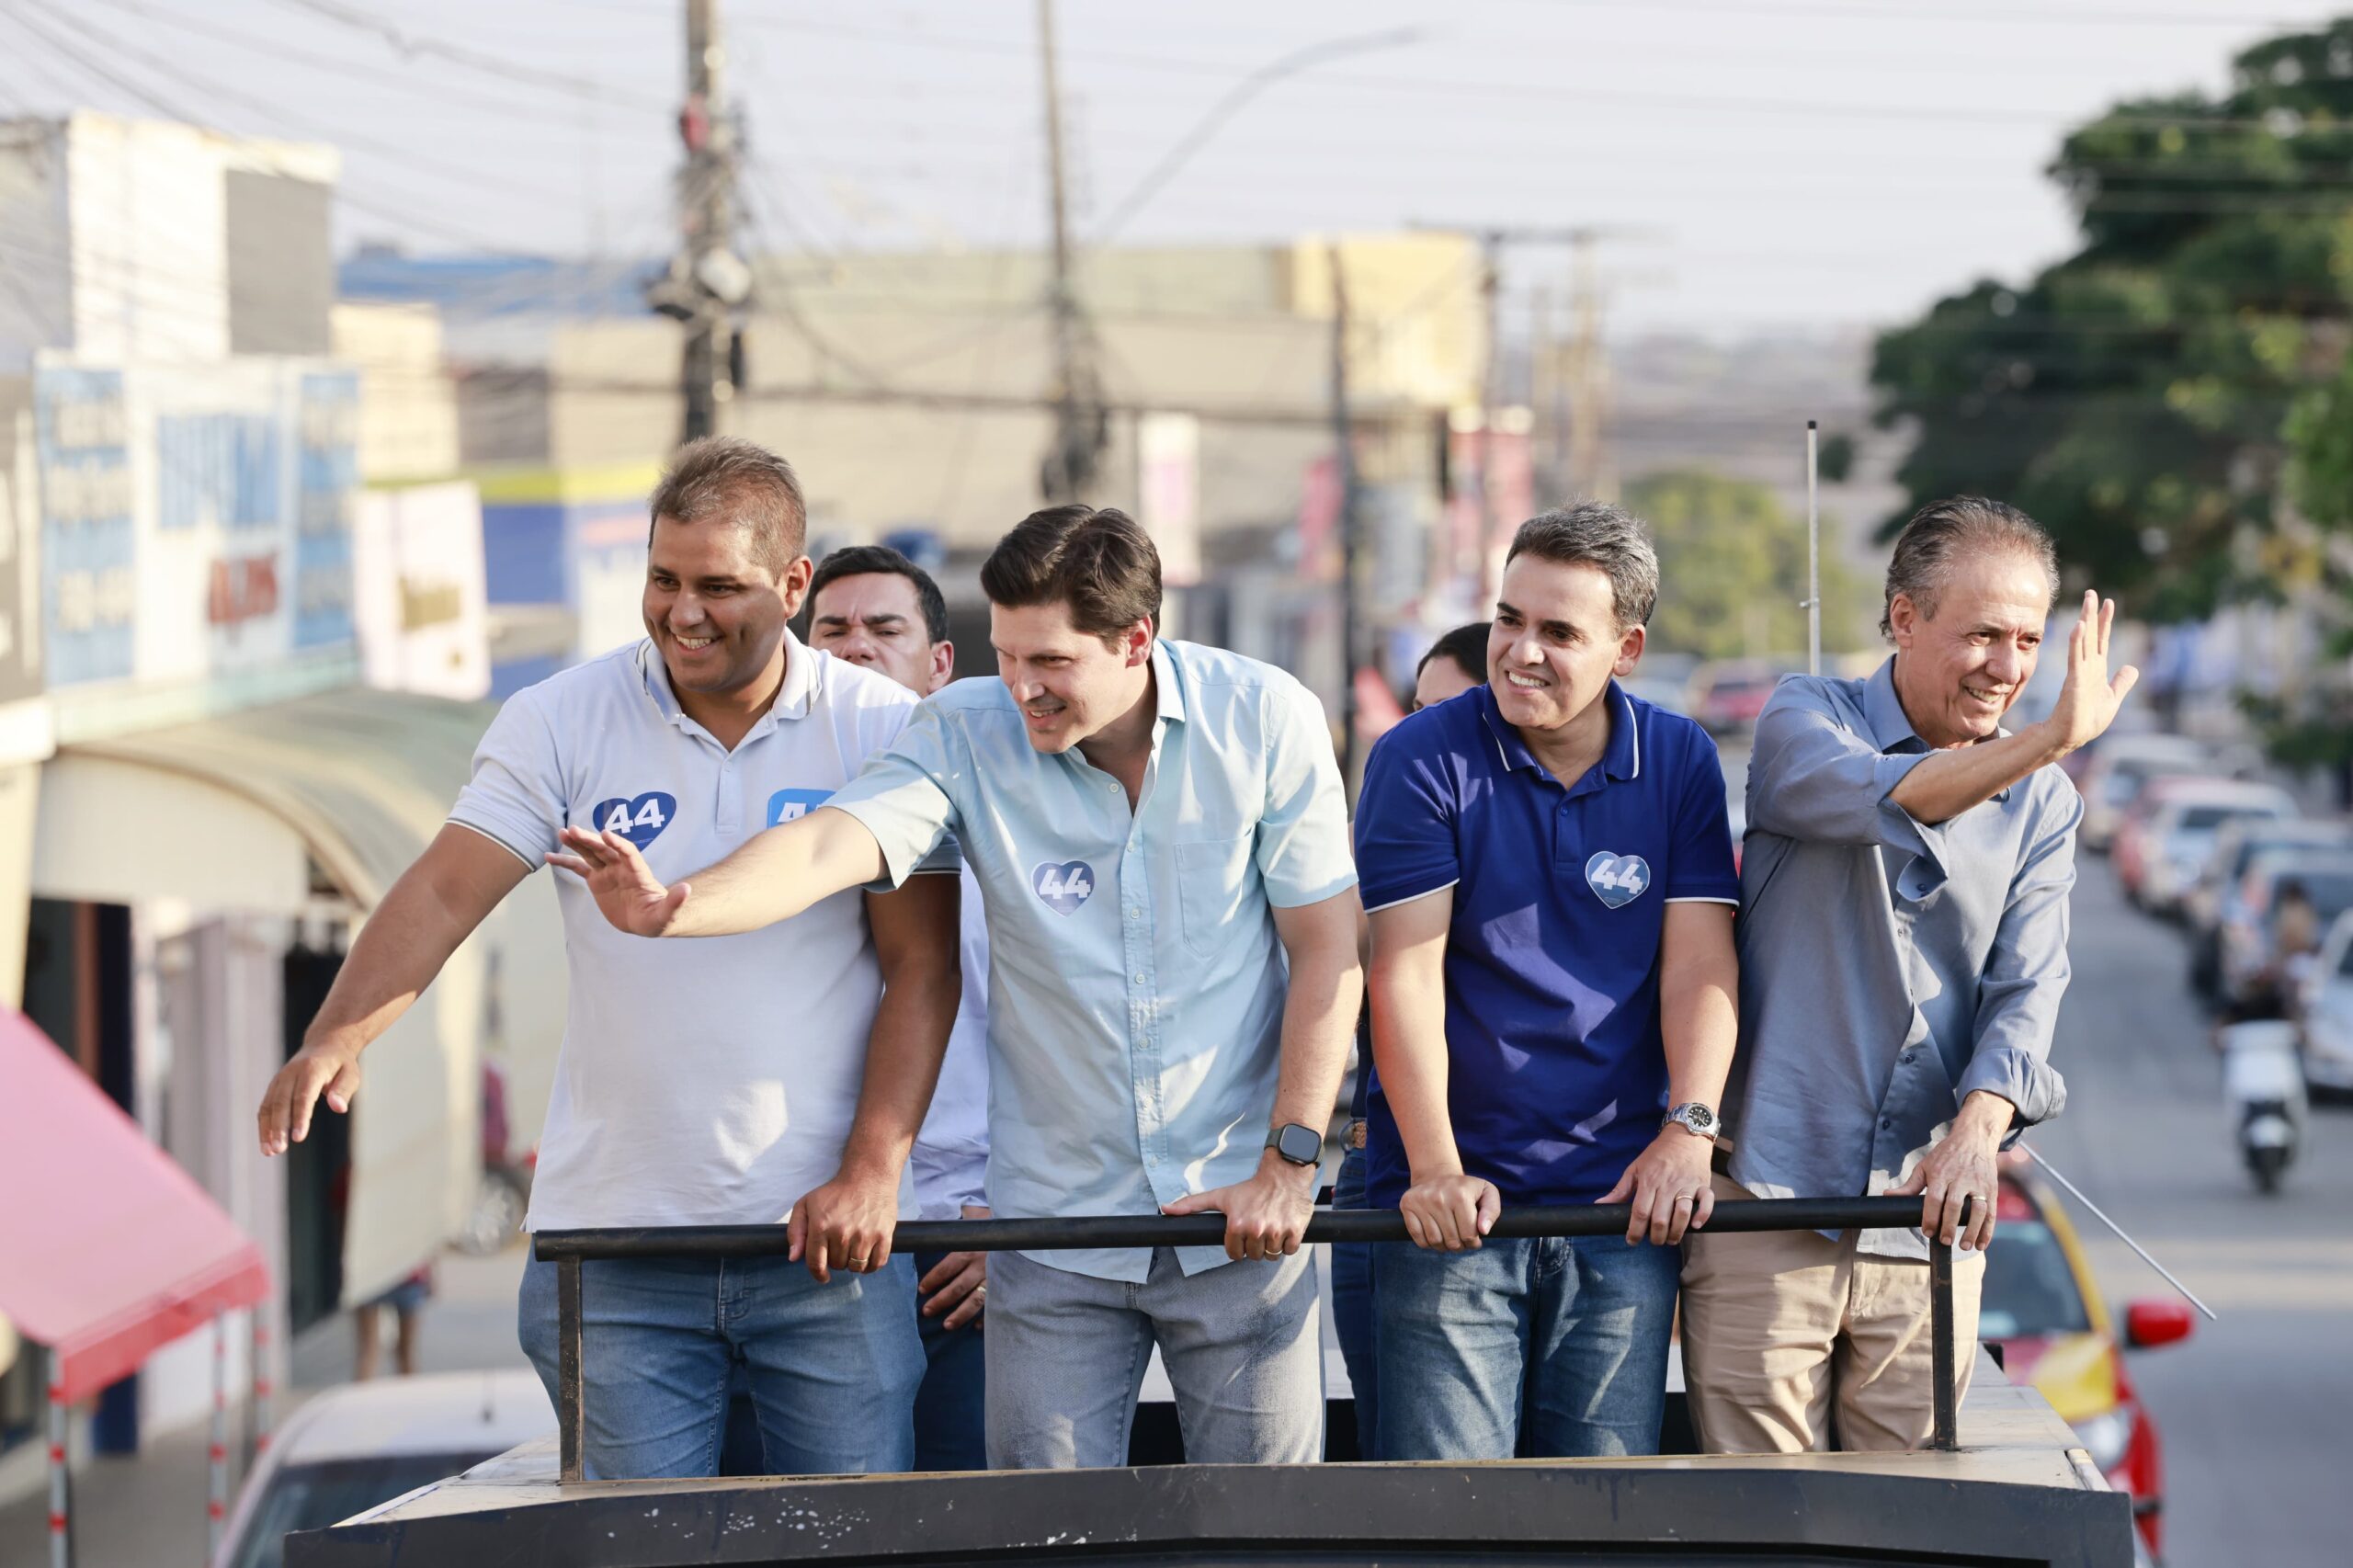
(1406, 839)
(517, 796)
(903, 795)
(1701, 869)
(1302, 834)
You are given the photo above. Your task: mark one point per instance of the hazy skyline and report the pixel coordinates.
(1775, 163)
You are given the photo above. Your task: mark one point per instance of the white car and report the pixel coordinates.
(355, 1446)
(2181, 832)
(2121, 766)
(2327, 998)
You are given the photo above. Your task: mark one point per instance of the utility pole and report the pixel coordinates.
(1081, 425)
(1344, 474)
(1588, 374)
(707, 284)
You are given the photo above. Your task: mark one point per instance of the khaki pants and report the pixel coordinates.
(1792, 1340)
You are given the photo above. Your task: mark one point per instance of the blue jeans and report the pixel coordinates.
(832, 1368)
(1549, 1348)
(952, 1406)
(1352, 1313)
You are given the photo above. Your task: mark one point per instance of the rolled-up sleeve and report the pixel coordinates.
(902, 797)
(1302, 836)
(1813, 780)
(516, 798)
(2026, 974)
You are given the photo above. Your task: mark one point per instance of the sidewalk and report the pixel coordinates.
(148, 1511)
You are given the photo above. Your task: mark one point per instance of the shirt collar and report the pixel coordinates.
(1621, 759)
(1883, 712)
(794, 699)
(1168, 690)
(1891, 730)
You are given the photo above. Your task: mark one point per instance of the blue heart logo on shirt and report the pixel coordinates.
(1619, 880)
(640, 821)
(1063, 886)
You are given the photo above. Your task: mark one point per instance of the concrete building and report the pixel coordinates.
(199, 802)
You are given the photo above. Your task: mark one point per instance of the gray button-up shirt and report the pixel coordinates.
(1888, 968)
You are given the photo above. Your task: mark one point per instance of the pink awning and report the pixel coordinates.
(109, 1250)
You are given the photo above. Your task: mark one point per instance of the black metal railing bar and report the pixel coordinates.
(568, 1250)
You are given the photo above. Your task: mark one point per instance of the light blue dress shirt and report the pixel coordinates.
(1136, 984)
(1889, 968)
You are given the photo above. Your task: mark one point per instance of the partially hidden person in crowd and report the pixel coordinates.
(1902, 947)
(871, 605)
(1158, 833)
(1448, 667)
(1547, 863)
(778, 1075)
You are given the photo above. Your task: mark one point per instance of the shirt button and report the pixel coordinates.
(1139, 977)
(1886, 1124)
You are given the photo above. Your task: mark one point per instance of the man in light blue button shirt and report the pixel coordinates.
(1159, 835)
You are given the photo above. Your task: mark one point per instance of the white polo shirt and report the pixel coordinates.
(952, 1154)
(708, 1082)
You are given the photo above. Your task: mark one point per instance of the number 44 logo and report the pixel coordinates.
(1063, 886)
(640, 820)
(1618, 880)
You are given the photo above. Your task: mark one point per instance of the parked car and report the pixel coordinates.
(2212, 899)
(2326, 1015)
(2120, 768)
(2042, 1307)
(355, 1446)
(2248, 949)
(2165, 842)
(1728, 694)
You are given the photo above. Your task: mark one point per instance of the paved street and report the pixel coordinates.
(2257, 1409)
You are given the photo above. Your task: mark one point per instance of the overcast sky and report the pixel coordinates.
(1772, 163)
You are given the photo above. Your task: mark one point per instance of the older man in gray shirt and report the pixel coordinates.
(1903, 948)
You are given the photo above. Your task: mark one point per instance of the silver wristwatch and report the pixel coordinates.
(1692, 1118)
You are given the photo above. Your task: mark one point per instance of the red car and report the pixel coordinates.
(2042, 1307)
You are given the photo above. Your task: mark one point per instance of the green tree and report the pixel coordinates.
(2151, 397)
(1732, 568)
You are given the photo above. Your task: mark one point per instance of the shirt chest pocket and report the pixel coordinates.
(1215, 878)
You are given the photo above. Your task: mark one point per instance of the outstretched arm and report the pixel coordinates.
(433, 906)
(772, 877)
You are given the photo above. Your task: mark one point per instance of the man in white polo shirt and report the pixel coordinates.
(737, 1106)
(872, 606)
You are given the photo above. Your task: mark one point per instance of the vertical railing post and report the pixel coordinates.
(259, 1408)
(216, 1451)
(1945, 1428)
(60, 1480)
(569, 1414)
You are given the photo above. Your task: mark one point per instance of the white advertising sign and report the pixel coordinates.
(421, 607)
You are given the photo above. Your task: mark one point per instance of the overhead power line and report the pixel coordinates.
(507, 68)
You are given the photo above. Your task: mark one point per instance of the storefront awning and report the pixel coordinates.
(109, 1250)
(228, 816)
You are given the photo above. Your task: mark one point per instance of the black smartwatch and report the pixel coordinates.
(1297, 1142)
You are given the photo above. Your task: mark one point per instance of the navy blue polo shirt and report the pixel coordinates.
(1557, 1075)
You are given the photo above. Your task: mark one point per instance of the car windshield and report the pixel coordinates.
(312, 1496)
(2205, 819)
(2030, 1290)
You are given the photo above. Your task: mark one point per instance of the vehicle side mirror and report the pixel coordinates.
(2150, 1323)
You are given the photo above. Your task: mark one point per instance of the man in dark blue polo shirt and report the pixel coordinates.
(1549, 872)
